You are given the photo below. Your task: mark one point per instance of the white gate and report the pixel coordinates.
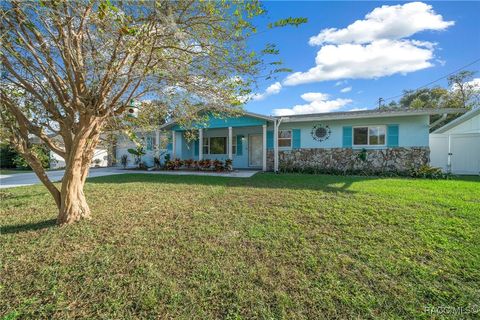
(464, 152)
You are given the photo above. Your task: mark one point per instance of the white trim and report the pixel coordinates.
(229, 143)
(368, 135)
(264, 145)
(174, 142)
(200, 144)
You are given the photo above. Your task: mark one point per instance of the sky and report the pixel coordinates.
(351, 53)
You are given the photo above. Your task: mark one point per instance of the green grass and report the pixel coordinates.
(268, 247)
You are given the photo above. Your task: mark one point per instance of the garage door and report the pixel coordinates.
(465, 149)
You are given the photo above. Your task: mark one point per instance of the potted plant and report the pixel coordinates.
(137, 153)
(156, 162)
(229, 165)
(124, 161)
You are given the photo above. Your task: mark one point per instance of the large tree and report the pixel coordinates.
(71, 68)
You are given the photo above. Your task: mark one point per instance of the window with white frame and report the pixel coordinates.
(284, 138)
(369, 136)
(218, 145)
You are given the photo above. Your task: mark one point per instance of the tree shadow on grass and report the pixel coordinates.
(34, 226)
(326, 183)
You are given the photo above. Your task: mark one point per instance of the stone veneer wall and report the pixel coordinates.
(346, 159)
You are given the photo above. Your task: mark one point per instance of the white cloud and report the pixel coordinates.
(386, 22)
(346, 89)
(339, 83)
(357, 109)
(271, 90)
(317, 103)
(374, 47)
(377, 59)
(473, 84)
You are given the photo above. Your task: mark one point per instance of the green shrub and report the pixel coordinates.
(42, 153)
(425, 171)
(429, 172)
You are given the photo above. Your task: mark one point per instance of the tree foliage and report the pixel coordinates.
(462, 92)
(71, 68)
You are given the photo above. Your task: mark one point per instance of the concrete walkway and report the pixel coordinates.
(28, 179)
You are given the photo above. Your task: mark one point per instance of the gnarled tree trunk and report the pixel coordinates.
(73, 204)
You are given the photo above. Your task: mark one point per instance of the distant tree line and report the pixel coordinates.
(463, 92)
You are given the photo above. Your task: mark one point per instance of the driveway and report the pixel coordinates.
(28, 179)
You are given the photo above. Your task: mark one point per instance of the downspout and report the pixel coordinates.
(276, 125)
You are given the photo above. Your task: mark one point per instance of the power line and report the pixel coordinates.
(434, 81)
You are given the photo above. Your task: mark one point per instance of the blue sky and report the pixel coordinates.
(401, 46)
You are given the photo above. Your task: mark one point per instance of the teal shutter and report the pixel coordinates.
(239, 145)
(347, 137)
(195, 147)
(170, 146)
(392, 135)
(269, 139)
(296, 138)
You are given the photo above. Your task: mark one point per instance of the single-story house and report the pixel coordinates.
(455, 147)
(377, 140)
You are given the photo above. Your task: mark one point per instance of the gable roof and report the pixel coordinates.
(464, 117)
(377, 113)
(170, 124)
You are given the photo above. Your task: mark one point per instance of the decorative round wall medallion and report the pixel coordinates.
(320, 132)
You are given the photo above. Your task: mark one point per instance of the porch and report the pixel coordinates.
(243, 139)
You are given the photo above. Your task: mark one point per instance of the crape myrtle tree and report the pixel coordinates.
(71, 68)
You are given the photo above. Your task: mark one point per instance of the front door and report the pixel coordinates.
(255, 150)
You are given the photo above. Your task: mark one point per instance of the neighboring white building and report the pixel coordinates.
(455, 147)
(100, 154)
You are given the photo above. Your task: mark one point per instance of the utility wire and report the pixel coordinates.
(434, 81)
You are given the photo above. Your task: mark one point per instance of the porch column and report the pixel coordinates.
(275, 146)
(230, 149)
(174, 147)
(157, 139)
(200, 144)
(264, 156)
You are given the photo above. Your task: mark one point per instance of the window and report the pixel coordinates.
(369, 136)
(206, 146)
(284, 138)
(218, 145)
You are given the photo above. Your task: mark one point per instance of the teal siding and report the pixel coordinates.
(239, 145)
(296, 143)
(170, 146)
(214, 122)
(347, 137)
(392, 135)
(269, 139)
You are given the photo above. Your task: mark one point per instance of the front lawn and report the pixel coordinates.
(272, 246)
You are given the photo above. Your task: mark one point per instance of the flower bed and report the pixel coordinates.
(200, 165)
